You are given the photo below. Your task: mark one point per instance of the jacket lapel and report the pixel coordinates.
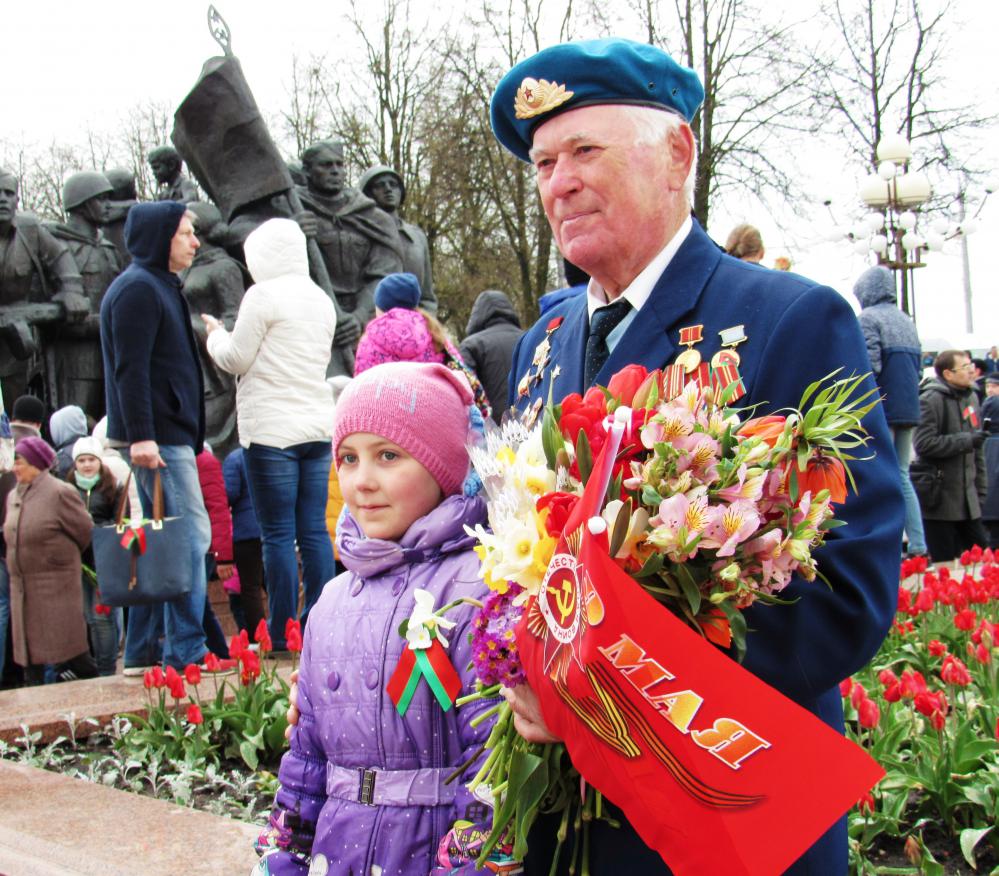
(652, 336)
(567, 353)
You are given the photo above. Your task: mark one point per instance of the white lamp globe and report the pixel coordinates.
(894, 147)
(887, 169)
(907, 220)
(879, 243)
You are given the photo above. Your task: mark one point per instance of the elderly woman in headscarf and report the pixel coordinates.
(46, 529)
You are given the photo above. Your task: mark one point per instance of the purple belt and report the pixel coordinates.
(376, 787)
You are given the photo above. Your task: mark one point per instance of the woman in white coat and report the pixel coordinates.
(279, 350)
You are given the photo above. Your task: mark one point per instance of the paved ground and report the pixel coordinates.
(57, 826)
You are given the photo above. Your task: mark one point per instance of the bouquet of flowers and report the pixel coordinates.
(707, 512)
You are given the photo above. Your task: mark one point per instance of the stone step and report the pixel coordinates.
(59, 826)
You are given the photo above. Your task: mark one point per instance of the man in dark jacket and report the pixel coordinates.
(155, 406)
(990, 424)
(492, 332)
(950, 436)
(893, 347)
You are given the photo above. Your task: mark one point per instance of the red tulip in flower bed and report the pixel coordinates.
(239, 715)
(927, 709)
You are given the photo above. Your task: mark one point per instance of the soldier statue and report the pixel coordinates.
(123, 196)
(79, 376)
(385, 187)
(39, 285)
(174, 186)
(214, 284)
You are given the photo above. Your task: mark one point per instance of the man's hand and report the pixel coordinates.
(527, 717)
(224, 571)
(348, 329)
(146, 454)
(211, 323)
(978, 439)
(292, 713)
(308, 222)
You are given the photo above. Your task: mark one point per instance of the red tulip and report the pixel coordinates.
(194, 715)
(293, 636)
(212, 663)
(866, 804)
(912, 683)
(868, 713)
(147, 679)
(845, 686)
(887, 677)
(982, 654)
(936, 648)
(262, 637)
(626, 382)
(965, 620)
(236, 647)
(954, 671)
(250, 666)
(857, 695)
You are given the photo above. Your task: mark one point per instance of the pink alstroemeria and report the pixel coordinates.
(729, 526)
(680, 518)
(698, 453)
(750, 488)
(670, 423)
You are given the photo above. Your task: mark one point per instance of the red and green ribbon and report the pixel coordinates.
(430, 663)
(135, 540)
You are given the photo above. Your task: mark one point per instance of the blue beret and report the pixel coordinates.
(398, 290)
(573, 75)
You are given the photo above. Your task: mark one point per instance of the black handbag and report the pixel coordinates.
(927, 480)
(146, 563)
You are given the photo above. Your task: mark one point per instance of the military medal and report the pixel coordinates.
(689, 359)
(539, 361)
(725, 364)
(730, 339)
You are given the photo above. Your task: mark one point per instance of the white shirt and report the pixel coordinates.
(639, 290)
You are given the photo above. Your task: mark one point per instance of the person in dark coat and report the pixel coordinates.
(247, 550)
(101, 493)
(46, 528)
(950, 436)
(990, 425)
(156, 407)
(894, 351)
(618, 200)
(492, 332)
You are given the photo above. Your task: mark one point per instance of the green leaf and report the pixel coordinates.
(551, 437)
(619, 532)
(971, 837)
(690, 589)
(248, 751)
(584, 457)
(650, 496)
(529, 796)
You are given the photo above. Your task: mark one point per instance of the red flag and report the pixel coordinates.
(716, 770)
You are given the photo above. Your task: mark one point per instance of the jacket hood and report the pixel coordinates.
(491, 306)
(937, 384)
(441, 531)
(67, 424)
(149, 230)
(875, 286)
(276, 249)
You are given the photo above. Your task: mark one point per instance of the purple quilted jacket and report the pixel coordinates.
(349, 725)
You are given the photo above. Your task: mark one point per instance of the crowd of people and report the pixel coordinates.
(365, 786)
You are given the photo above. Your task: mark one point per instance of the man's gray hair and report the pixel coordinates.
(654, 127)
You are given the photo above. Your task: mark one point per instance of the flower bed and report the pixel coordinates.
(927, 708)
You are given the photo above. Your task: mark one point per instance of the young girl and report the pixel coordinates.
(363, 787)
(100, 492)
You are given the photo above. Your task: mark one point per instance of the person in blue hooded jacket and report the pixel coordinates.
(606, 125)
(894, 351)
(155, 407)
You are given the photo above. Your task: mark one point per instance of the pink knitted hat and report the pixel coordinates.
(421, 407)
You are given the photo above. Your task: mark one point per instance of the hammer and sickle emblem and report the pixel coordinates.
(565, 600)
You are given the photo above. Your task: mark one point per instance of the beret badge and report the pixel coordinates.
(537, 96)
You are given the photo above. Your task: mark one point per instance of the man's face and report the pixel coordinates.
(8, 201)
(962, 375)
(612, 204)
(183, 246)
(163, 169)
(386, 192)
(97, 209)
(327, 172)
(992, 389)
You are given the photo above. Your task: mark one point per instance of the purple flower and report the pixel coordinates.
(494, 642)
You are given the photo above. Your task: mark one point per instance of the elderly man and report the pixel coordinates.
(156, 408)
(606, 125)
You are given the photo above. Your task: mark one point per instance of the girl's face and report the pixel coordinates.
(88, 465)
(385, 488)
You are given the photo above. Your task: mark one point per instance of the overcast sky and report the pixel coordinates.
(70, 65)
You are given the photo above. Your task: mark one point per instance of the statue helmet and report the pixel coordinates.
(378, 170)
(81, 187)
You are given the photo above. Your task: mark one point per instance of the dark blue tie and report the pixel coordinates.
(602, 323)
